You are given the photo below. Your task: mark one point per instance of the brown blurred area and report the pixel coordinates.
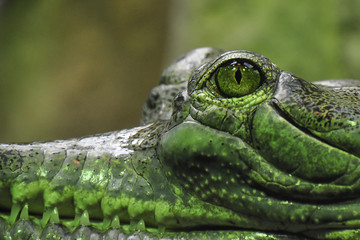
(71, 68)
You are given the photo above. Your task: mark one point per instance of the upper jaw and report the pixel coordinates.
(331, 114)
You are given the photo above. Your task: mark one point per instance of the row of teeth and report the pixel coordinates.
(52, 216)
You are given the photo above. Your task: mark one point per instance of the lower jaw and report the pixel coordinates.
(32, 229)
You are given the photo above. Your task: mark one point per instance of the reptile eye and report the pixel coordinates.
(237, 78)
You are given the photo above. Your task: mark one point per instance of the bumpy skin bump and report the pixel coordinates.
(279, 162)
(174, 79)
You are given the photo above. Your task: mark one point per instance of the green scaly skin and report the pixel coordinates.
(231, 147)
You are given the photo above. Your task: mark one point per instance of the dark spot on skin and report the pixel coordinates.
(179, 98)
(155, 96)
(151, 100)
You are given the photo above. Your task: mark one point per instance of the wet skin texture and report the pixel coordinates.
(231, 147)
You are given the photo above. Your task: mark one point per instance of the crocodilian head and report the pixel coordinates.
(260, 141)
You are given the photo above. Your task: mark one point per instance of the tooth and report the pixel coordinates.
(115, 222)
(50, 215)
(106, 223)
(137, 225)
(161, 228)
(24, 215)
(15, 209)
(84, 219)
(76, 221)
(45, 217)
(54, 217)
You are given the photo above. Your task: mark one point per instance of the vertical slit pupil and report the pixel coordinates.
(238, 76)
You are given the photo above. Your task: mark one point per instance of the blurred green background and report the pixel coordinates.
(73, 68)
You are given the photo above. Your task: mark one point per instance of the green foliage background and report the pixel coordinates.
(72, 68)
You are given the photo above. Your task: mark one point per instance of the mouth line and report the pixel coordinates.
(33, 227)
(104, 224)
(98, 224)
(129, 228)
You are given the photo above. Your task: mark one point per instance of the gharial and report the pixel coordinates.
(231, 147)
